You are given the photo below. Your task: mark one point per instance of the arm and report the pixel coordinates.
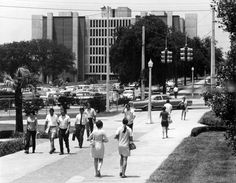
(105, 139)
(68, 127)
(117, 134)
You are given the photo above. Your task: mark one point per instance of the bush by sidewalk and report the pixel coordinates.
(11, 146)
(210, 119)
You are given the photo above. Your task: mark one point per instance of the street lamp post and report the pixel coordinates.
(192, 80)
(150, 65)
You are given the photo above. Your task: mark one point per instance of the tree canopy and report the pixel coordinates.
(125, 55)
(39, 56)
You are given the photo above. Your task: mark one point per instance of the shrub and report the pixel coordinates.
(11, 146)
(196, 131)
(34, 104)
(123, 101)
(210, 119)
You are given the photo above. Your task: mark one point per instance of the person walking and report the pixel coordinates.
(91, 114)
(32, 126)
(184, 106)
(168, 109)
(175, 91)
(124, 137)
(51, 126)
(64, 127)
(80, 122)
(129, 114)
(98, 137)
(164, 122)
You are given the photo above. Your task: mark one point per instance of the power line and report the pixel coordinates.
(72, 9)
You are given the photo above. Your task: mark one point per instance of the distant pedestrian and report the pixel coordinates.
(176, 90)
(64, 127)
(129, 114)
(184, 106)
(80, 122)
(32, 125)
(51, 127)
(164, 122)
(169, 110)
(98, 137)
(91, 114)
(124, 137)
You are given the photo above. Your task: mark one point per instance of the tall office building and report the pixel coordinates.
(87, 38)
(68, 29)
(96, 45)
(191, 25)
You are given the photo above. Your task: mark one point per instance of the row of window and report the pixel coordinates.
(112, 23)
(101, 32)
(97, 60)
(97, 69)
(101, 41)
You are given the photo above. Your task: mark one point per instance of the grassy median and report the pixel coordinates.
(201, 159)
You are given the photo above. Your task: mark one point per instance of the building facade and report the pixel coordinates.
(191, 25)
(87, 37)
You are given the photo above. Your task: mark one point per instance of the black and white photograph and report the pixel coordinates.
(140, 91)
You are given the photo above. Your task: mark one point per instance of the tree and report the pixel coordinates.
(126, 52)
(226, 11)
(22, 79)
(39, 56)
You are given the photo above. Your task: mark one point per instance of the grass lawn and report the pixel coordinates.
(202, 159)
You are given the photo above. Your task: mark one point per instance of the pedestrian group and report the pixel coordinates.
(86, 119)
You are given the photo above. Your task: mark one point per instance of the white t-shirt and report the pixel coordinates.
(168, 107)
(91, 113)
(129, 115)
(176, 89)
(64, 121)
(52, 120)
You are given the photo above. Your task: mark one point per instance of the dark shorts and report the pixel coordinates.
(164, 123)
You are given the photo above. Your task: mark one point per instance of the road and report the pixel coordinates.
(151, 151)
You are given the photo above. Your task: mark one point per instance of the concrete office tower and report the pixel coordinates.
(96, 44)
(182, 25)
(122, 12)
(191, 25)
(68, 29)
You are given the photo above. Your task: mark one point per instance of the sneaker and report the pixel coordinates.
(123, 176)
(61, 153)
(120, 174)
(52, 151)
(68, 151)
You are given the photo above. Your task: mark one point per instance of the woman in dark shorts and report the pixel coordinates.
(164, 122)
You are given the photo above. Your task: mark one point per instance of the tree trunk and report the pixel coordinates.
(18, 105)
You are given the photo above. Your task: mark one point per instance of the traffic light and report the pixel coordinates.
(163, 56)
(169, 56)
(182, 53)
(189, 54)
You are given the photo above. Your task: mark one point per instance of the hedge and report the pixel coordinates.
(210, 119)
(11, 146)
(196, 131)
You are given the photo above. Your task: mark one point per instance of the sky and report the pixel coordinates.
(15, 15)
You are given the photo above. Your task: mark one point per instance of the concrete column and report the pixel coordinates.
(75, 42)
(169, 18)
(37, 26)
(50, 26)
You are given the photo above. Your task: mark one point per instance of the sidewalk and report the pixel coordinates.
(151, 151)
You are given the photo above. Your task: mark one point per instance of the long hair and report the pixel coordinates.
(125, 122)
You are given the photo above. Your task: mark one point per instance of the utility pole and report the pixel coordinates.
(143, 64)
(107, 66)
(213, 49)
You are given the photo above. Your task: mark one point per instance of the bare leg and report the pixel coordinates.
(100, 161)
(121, 164)
(124, 165)
(166, 128)
(163, 132)
(184, 115)
(96, 165)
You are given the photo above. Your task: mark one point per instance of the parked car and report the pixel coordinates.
(129, 94)
(157, 102)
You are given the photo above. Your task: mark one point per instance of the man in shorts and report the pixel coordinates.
(51, 125)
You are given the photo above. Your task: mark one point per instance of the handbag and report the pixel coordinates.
(132, 146)
(73, 136)
(92, 142)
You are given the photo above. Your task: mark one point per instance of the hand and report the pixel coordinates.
(67, 131)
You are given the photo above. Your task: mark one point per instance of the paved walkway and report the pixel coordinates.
(151, 151)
